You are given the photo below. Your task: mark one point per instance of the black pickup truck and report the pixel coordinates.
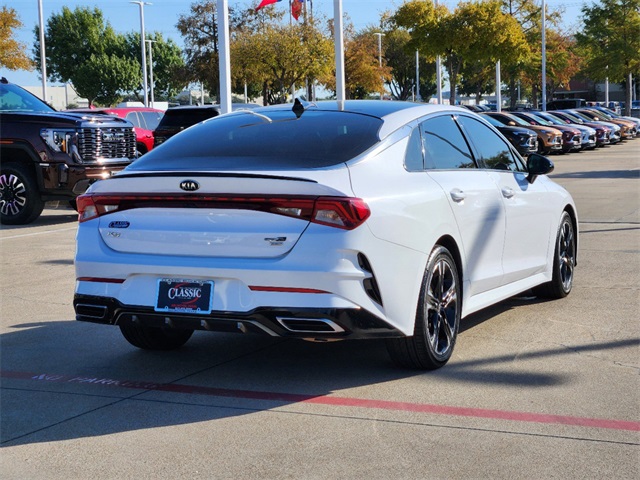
(49, 155)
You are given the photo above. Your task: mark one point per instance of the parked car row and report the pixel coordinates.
(563, 131)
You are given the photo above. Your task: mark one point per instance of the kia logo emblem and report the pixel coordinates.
(189, 185)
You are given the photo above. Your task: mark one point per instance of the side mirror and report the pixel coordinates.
(538, 165)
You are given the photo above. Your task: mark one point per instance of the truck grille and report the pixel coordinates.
(109, 144)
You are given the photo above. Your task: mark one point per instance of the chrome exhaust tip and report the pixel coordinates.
(309, 325)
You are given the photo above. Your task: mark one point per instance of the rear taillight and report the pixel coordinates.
(340, 212)
(90, 207)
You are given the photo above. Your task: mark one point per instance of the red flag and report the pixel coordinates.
(296, 8)
(264, 3)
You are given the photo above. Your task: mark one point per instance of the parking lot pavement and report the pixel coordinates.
(536, 389)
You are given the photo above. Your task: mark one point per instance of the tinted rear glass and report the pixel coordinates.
(186, 117)
(268, 139)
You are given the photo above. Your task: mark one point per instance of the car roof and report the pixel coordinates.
(395, 114)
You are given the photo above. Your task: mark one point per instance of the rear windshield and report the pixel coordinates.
(266, 139)
(186, 117)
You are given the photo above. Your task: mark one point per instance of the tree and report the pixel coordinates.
(474, 32)
(83, 49)
(401, 59)
(168, 64)
(285, 55)
(199, 31)
(105, 78)
(562, 63)
(71, 37)
(12, 53)
(478, 78)
(610, 42)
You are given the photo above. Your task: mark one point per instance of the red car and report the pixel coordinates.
(144, 120)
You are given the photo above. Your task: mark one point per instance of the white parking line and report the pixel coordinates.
(38, 233)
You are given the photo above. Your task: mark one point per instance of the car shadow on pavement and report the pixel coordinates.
(608, 174)
(64, 380)
(49, 218)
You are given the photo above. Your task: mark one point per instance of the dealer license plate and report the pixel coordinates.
(184, 296)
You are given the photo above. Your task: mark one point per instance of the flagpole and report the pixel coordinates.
(224, 60)
(339, 50)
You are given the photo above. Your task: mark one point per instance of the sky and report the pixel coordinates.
(163, 15)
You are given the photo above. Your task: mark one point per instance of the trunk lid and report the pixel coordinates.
(209, 215)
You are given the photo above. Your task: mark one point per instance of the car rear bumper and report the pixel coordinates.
(322, 324)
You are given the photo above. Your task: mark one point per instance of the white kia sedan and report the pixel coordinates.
(323, 221)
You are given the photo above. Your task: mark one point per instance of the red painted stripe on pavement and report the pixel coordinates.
(335, 401)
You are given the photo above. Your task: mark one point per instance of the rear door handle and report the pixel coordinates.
(457, 195)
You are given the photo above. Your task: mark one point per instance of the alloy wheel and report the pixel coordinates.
(566, 255)
(442, 309)
(12, 194)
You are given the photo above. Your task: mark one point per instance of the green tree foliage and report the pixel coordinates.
(246, 68)
(12, 53)
(610, 41)
(281, 56)
(562, 62)
(168, 64)
(71, 37)
(478, 78)
(83, 49)
(401, 59)
(105, 78)
(474, 32)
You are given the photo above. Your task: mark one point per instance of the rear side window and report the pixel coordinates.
(492, 150)
(186, 117)
(444, 146)
(266, 139)
(413, 159)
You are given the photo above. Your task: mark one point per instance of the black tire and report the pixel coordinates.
(437, 317)
(564, 262)
(20, 201)
(154, 338)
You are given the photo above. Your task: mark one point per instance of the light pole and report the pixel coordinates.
(417, 76)
(438, 73)
(144, 50)
(339, 50)
(380, 35)
(43, 57)
(151, 42)
(544, 56)
(224, 56)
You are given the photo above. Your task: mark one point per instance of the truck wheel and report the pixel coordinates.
(20, 201)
